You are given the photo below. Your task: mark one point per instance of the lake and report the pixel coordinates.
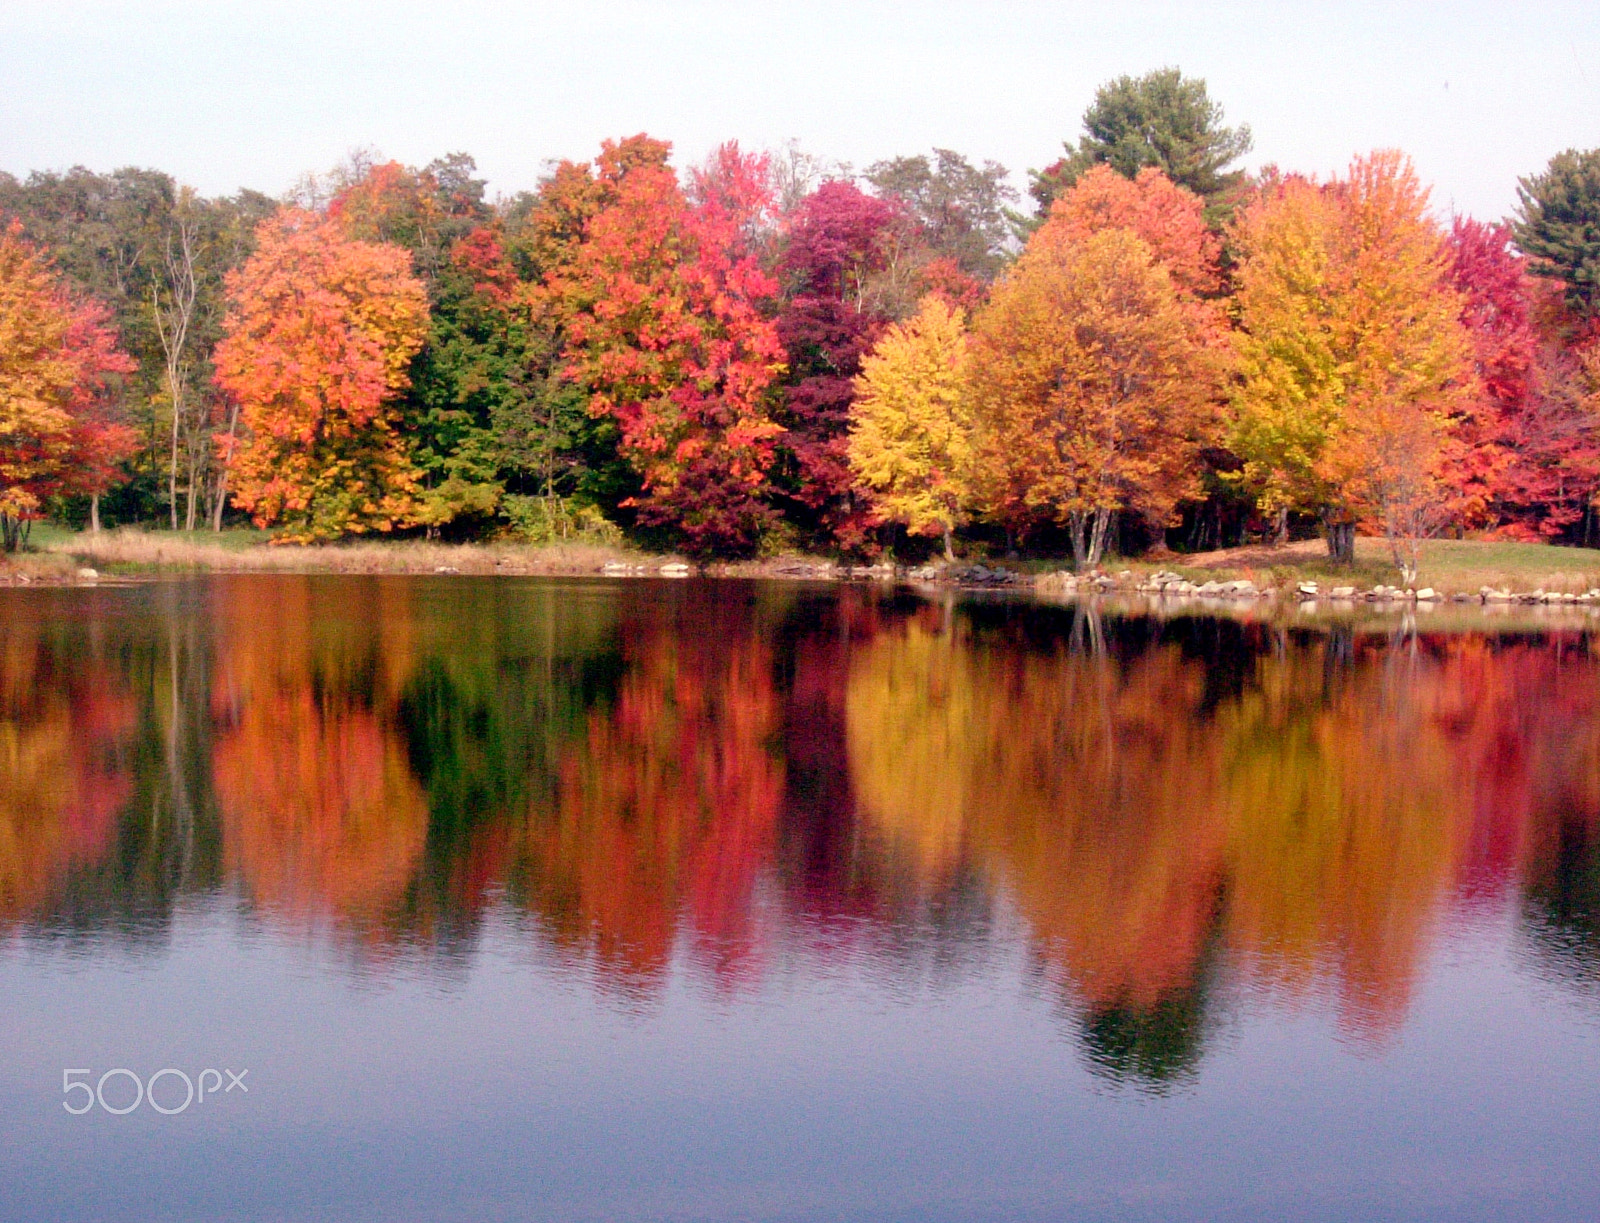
(449, 898)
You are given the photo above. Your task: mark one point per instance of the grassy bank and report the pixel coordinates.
(1449, 566)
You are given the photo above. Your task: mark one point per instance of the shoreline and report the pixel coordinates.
(1297, 575)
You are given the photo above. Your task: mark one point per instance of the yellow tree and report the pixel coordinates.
(910, 431)
(1351, 353)
(1094, 381)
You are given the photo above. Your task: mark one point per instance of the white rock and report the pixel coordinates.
(88, 575)
(1427, 595)
(1343, 592)
(674, 569)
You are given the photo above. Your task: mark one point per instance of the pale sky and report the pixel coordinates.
(224, 95)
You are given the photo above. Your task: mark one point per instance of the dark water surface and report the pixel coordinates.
(526, 899)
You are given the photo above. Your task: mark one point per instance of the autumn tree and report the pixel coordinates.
(1094, 378)
(1558, 225)
(1168, 218)
(1352, 356)
(910, 436)
(1526, 453)
(154, 253)
(58, 357)
(838, 244)
(1163, 120)
(319, 336)
(666, 331)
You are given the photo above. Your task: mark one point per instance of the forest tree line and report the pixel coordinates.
(771, 351)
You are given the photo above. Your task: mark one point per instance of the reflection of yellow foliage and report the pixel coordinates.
(1322, 818)
(1068, 783)
(321, 813)
(910, 721)
(1342, 813)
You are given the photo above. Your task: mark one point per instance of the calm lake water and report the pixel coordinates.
(533, 899)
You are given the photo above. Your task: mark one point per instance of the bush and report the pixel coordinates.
(545, 520)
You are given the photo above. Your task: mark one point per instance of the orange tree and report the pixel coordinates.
(58, 359)
(1093, 376)
(318, 339)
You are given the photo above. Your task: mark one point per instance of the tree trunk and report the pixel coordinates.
(188, 517)
(1097, 537)
(172, 474)
(222, 478)
(94, 512)
(1077, 523)
(1282, 531)
(1341, 538)
(949, 551)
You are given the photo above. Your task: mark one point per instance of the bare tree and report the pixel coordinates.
(173, 304)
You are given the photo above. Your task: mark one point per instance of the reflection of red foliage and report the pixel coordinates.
(668, 807)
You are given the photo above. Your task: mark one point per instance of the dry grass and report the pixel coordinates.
(129, 550)
(37, 568)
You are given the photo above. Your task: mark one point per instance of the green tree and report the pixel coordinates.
(1558, 225)
(960, 208)
(1162, 119)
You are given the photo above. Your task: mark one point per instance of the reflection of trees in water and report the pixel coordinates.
(322, 817)
(1314, 809)
(729, 770)
(1156, 1046)
(119, 687)
(665, 806)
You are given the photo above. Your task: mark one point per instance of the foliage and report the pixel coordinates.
(959, 208)
(1527, 453)
(1094, 380)
(1169, 219)
(57, 360)
(838, 246)
(319, 337)
(1352, 356)
(543, 520)
(666, 331)
(1558, 225)
(910, 439)
(1163, 120)
(130, 239)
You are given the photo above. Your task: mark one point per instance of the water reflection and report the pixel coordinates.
(1174, 813)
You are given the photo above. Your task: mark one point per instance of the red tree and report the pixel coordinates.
(664, 299)
(835, 245)
(1527, 454)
